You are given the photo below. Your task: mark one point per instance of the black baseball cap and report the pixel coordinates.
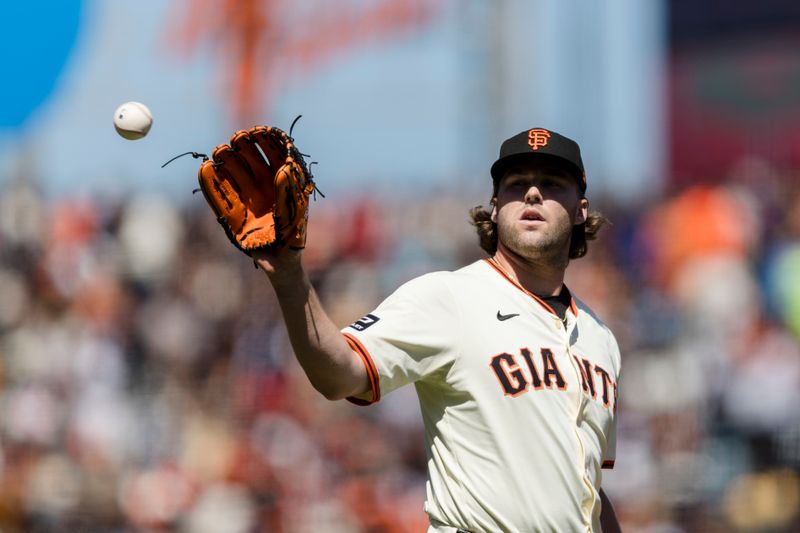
(540, 143)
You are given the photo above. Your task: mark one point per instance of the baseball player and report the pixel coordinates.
(517, 379)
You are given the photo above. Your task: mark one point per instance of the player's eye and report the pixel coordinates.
(555, 181)
(515, 183)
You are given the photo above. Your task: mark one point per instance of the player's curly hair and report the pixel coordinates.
(578, 244)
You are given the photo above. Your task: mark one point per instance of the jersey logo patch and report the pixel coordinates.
(537, 138)
(364, 322)
(501, 317)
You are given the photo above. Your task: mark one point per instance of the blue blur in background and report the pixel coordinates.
(35, 48)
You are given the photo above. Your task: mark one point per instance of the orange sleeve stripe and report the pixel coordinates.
(609, 463)
(372, 371)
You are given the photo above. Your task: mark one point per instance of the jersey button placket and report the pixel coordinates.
(588, 503)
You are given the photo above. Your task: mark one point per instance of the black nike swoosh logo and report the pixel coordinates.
(505, 317)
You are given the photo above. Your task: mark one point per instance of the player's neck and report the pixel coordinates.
(540, 278)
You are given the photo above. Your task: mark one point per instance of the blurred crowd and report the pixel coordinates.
(147, 383)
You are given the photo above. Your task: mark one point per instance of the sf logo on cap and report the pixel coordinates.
(537, 138)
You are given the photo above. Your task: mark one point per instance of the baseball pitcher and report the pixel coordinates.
(517, 379)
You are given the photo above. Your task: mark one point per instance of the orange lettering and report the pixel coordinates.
(537, 138)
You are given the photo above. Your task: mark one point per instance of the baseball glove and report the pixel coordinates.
(258, 187)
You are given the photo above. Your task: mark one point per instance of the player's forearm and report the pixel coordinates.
(331, 366)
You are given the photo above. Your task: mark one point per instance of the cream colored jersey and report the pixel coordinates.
(519, 408)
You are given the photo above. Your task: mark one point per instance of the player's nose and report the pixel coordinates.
(533, 195)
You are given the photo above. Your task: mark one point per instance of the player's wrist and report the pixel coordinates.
(284, 270)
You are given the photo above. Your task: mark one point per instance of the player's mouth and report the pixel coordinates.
(531, 215)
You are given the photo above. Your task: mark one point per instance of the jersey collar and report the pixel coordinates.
(502, 271)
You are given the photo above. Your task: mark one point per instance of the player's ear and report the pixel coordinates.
(494, 210)
(582, 212)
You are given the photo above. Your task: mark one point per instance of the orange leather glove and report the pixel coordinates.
(258, 187)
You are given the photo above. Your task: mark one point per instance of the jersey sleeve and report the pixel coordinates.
(611, 437)
(411, 335)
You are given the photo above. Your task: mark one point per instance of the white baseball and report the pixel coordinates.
(133, 120)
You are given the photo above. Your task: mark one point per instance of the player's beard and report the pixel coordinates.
(548, 243)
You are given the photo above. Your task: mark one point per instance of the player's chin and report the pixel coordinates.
(532, 230)
(531, 224)
(523, 242)
(524, 236)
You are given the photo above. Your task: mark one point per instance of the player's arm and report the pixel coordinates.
(258, 187)
(330, 364)
(608, 518)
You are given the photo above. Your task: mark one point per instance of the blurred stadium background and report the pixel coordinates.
(146, 382)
